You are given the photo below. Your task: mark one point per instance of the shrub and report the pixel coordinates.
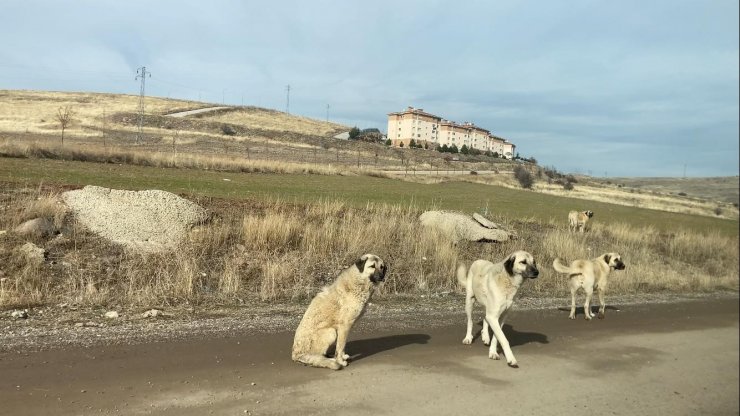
(523, 176)
(718, 211)
(388, 142)
(354, 133)
(228, 130)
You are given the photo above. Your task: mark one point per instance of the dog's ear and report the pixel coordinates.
(509, 265)
(607, 259)
(360, 263)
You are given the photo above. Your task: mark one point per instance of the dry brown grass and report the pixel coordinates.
(278, 250)
(259, 118)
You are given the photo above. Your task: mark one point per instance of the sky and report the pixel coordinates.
(606, 88)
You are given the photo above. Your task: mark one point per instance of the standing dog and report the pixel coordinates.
(334, 310)
(589, 275)
(577, 220)
(494, 285)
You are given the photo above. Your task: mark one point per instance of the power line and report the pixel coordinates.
(141, 73)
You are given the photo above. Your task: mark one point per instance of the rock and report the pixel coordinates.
(19, 314)
(3, 232)
(461, 227)
(111, 314)
(37, 227)
(151, 313)
(33, 253)
(150, 220)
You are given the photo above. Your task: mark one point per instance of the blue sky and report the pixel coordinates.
(608, 88)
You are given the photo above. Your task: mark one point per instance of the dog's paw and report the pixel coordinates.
(468, 340)
(601, 315)
(494, 355)
(572, 317)
(587, 317)
(486, 341)
(513, 364)
(345, 356)
(335, 366)
(341, 361)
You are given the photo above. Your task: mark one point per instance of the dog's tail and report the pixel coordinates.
(560, 267)
(317, 360)
(462, 275)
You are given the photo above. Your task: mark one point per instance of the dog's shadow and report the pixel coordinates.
(363, 348)
(517, 337)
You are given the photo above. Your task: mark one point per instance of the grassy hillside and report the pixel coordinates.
(503, 203)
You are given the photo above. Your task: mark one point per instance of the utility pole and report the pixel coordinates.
(287, 100)
(141, 73)
(327, 113)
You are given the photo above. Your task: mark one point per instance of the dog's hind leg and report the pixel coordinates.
(485, 335)
(321, 342)
(469, 312)
(494, 341)
(572, 302)
(587, 304)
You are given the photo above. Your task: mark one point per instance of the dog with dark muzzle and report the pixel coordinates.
(589, 275)
(494, 285)
(334, 310)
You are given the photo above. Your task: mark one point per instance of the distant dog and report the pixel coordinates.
(577, 220)
(589, 275)
(334, 310)
(494, 285)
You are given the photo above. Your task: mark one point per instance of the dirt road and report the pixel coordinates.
(666, 359)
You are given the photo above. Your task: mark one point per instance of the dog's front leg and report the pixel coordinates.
(499, 334)
(469, 312)
(342, 332)
(602, 305)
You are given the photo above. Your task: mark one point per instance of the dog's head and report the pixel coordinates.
(614, 261)
(589, 213)
(371, 267)
(522, 263)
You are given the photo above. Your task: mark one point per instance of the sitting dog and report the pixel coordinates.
(577, 220)
(494, 285)
(589, 275)
(333, 311)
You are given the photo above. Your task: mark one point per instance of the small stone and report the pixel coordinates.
(19, 314)
(151, 313)
(111, 314)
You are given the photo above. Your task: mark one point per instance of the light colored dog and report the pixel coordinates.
(334, 310)
(589, 275)
(494, 286)
(577, 220)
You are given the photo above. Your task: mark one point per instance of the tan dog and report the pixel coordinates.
(494, 286)
(333, 311)
(577, 220)
(589, 275)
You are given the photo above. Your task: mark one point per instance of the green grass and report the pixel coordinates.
(354, 190)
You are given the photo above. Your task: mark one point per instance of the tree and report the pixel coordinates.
(412, 144)
(400, 144)
(464, 149)
(354, 133)
(388, 142)
(453, 149)
(523, 176)
(64, 116)
(426, 146)
(495, 154)
(444, 149)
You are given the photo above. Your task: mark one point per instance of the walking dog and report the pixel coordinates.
(577, 220)
(333, 311)
(589, 275)
(494, 285)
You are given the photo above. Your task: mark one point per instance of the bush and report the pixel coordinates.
(228, 130)
(718, 211)
(354, 133)
(388, 142)
(568, 186)
(523, 176)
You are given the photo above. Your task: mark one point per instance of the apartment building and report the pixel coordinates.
(425, 128)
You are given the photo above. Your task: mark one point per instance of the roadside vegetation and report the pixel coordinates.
(255, 251)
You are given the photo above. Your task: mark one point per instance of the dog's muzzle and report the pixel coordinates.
(531, 272)
(378, 276)
(620, 266)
